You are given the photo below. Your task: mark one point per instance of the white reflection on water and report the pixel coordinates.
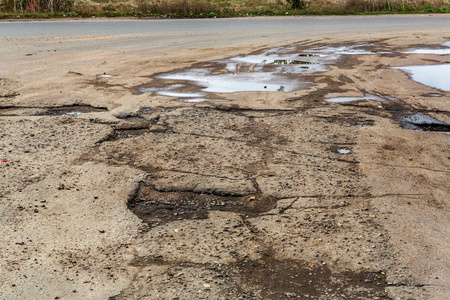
(270, 71)
(344, 150)
(436, 76)
(237, 82)
(351, 99)
(432, 51)
(198, 100)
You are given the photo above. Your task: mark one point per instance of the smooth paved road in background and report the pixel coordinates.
(200, 33)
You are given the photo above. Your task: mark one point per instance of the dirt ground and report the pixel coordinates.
(110, 193)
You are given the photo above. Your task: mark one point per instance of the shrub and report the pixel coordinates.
(297, 4)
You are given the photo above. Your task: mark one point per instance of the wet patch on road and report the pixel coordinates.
(274, 70)
(265, 278)
(72, 110)
(289, 279)
(435, 76)
(64, 110)
(156, 207)
(443, 49)
(353, 99)
(105, 75)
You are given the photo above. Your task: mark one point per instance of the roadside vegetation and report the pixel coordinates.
(13, 9)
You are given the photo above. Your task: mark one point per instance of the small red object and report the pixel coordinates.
(5, 160)
(170, 216)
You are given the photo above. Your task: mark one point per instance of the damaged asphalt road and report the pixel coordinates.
(142, 185)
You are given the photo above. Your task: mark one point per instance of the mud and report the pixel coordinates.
(159, 207)
(269, 278)
(274, 279)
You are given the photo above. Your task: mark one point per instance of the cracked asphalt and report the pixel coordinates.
(108, 192)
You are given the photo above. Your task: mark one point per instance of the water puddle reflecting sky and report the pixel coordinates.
(269, 71)
(274, 71)
(436, 76)
(105, 75)
(444, 51)
(352, 99)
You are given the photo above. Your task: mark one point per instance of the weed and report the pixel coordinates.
(212, 8)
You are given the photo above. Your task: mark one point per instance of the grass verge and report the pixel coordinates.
(40, 9)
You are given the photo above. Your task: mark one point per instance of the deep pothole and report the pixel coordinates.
(271, 278)
(68, 110)
(157, 207)
(291, 279)
(422, 122)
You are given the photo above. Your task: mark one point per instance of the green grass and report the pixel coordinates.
(220, 8)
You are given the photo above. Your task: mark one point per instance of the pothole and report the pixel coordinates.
(422, 122)
(341, 149)
(267, 278)
(291, 279)
(68, 110)
(158, 207)
(129, 133)
(344, 150)
(72, 110)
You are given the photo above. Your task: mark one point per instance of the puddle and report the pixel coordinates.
(237, 82)
(355, 49)
(160, 207)
(287, 63)
(365, 97)
(105, 75)
(198, 100)
(363, 123)
(432, 95)
(147, 89)
(269, 71)
(71, 110)
(344, 150)
(308, 55)
(74, 113)
(436, 76)
(421, 122)
(291, 62)
(444, 51)
(180, 94)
